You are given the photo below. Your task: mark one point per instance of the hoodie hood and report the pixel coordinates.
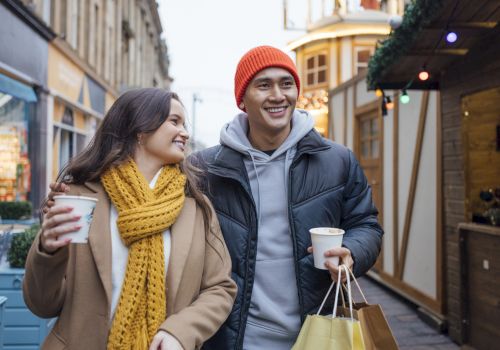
(234, 135)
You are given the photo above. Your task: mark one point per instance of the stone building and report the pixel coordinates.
(85, 53)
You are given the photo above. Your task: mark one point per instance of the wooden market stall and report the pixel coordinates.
(465, 75)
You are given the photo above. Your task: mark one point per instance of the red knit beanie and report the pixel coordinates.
(257, 59)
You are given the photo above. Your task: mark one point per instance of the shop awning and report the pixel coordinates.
(15, 88)
(420, 42)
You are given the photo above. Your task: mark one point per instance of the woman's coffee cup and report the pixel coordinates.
(83, 206)
(323, 239)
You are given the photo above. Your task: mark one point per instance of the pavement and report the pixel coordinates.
(410, 331)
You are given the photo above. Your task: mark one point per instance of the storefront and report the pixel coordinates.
(17, 107)
(77, 104)
(23, 111)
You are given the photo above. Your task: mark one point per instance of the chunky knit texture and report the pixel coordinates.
(257, 59)
(143, 215)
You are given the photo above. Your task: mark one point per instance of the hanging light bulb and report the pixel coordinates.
(404, 98)
(389, 103)
(379, 93)
(451, 37)
(423, 75)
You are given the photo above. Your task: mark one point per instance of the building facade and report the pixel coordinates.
(340, 39)
(95, 50)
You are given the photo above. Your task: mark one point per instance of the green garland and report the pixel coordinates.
(417, 15)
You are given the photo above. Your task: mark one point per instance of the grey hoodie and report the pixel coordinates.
(274, 318)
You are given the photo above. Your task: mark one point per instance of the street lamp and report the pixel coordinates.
(196, 98)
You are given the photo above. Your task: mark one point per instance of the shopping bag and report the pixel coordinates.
(377, 334)
(331, 332)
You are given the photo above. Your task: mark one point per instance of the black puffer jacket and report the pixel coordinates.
(327, 188)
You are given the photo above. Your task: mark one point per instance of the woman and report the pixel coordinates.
(156, 271)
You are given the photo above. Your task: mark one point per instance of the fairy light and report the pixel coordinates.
(404, 98)
(451, 37)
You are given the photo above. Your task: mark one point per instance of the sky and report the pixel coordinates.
(205, 40)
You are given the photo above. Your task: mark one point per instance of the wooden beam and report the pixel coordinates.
(407, 291)
(438, 52)
(462, 25)
(395, 186)
(439, 204)
(413, 183)
(344, 136)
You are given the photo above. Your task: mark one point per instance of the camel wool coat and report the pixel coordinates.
(74, 284)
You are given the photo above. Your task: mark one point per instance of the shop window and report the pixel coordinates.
(15, 166)
(316, 70)
(362, 57)
(369, 138)
(67, 148)
(370, 4)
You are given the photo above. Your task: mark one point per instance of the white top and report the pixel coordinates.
(120, 253)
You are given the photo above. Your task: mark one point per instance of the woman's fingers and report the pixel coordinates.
(51, 245)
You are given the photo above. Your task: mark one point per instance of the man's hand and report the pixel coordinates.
(345, 258)
(164, 341)
(56, 189)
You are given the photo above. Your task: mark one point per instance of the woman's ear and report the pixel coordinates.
(242, 105)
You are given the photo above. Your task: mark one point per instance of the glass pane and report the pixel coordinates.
(365, 150)
(310, 63)
(374, 127)
(370, 4)
(365, 129)
(322, 76)
(375, 150)
(81, 142)
(363, 56)
(15, 173)
(310, 79)
(66, 148)
(362, 69)
(321, 60)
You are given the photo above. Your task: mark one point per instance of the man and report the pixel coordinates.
(272, 179)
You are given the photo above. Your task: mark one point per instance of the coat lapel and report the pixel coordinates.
(182, 235)
(100, 236)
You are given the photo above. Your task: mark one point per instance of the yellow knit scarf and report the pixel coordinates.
(143, 215)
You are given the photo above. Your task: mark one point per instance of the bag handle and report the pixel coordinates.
(349, 293)
(357, 285)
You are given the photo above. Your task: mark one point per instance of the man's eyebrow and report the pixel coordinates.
(263, 79)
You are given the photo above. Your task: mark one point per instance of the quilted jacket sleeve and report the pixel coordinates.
(363, 234)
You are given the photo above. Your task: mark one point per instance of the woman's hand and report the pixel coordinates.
(54, 226)
(164, 341)
(56, 189)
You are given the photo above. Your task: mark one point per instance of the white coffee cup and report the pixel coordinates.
(323, 239)
(83, 206)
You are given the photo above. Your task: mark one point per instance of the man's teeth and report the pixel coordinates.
(276, 110)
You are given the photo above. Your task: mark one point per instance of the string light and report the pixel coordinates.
(389, 104)
(379, 93)
(404, 98)
(451, 37)
(423, 75)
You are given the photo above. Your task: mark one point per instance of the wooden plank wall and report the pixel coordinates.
(479, 70)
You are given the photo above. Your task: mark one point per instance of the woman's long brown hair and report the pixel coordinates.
(133, 113)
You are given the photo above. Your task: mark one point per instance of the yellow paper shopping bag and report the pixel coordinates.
(331, 332)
